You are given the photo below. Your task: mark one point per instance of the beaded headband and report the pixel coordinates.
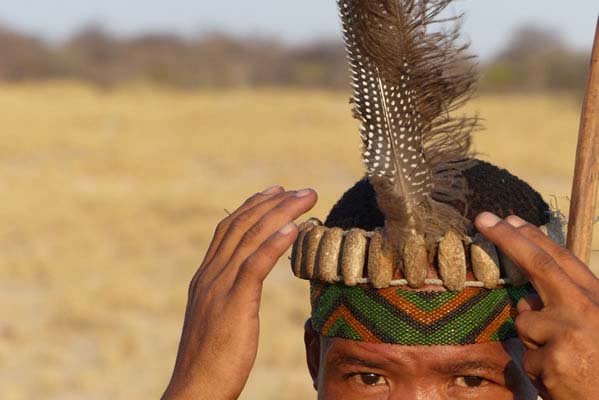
(395, 316)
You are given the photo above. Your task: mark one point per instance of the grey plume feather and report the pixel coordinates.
(408, 80)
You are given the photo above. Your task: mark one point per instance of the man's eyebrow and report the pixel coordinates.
(355, 361)
(463, 367)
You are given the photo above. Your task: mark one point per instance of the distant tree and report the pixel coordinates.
(93, 54)
(23, 57)
(530, 42)
(320, 64)
(536, 59)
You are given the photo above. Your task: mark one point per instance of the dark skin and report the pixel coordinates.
(558, 329)
(342, 369)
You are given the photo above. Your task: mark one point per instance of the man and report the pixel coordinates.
(369, 336)
(556, 352)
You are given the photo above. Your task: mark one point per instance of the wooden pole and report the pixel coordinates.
(586, 172)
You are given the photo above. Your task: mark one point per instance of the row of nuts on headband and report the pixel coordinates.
(330, 254)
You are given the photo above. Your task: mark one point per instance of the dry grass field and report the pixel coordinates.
(109, 199)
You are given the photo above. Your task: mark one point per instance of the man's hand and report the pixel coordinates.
(220, 334)
(560, 327)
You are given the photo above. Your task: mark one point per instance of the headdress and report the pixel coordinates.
(409, 78)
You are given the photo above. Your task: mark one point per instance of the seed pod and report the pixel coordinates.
(485, 261)
(511, 270)
(314, 221)
(452, 261)
(310, 249)
(353, 258)
(380, 262)
(555, 231)
(327, 268)
(415, 260)
(298, 247)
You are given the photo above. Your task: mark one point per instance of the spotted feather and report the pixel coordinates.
(407, 81)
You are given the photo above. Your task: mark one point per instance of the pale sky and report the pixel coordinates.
(488, 24)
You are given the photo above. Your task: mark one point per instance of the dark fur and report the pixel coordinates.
(490, 189)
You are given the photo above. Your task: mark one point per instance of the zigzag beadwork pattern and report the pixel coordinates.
(396, 316)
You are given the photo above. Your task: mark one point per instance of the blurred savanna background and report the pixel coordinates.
(128, 130)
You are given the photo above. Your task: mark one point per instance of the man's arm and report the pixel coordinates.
(560, 327)
(220, 333)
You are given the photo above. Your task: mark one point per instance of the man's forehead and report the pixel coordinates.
(491, 355)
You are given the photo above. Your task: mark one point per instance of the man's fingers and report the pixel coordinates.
(279, 216)
(276, 218)
(223, 226)
(241, 223)
(532, 362)
(530, 303)
(545, 273)
(536, 328)
(572, 266)
(272, 194)
(258, 265)
(535, 364)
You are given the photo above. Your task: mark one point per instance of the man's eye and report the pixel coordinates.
(470, 381)
(372, 379)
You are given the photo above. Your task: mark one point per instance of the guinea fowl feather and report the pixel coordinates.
(409, 78)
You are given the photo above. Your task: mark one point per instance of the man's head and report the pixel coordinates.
(347, 369)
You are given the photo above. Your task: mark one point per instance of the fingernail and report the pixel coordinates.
(516, 221)
(303, 193)
(287, 229)
(271, 190)
(488, 220)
